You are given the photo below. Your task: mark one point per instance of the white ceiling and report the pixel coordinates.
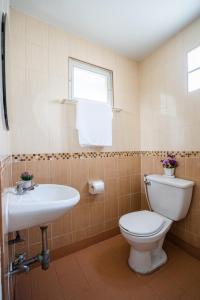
(131, 27)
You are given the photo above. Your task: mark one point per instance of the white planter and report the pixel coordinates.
(169, 171)
(27, 184)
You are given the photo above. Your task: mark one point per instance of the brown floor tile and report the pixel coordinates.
(192, 291)
(72, 280)
(23, 287)
(45, 285)
(101, 272)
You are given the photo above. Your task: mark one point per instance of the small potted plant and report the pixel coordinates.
(169, 164)
(26, 177)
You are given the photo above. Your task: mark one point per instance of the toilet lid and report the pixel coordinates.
(142, 223)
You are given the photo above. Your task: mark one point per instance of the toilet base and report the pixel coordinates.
(145, 262)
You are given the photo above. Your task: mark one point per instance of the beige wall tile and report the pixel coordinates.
(34, 249)
(80, 175)
(168, 113)
(60, 171)
(180, 170)
(193, 222)
(61, 241)
(195, 204)
(17, 169)
(111, 188)
(36, 31)
(23, 246)
(96, 168)
(124, 186)
(124, 204)
(147, 165)
(144, 205)
(34, 234)
(97, 212)
(42, 51)
(192, 168)
(135, 201)
(79, 235)
(111, 224)
(88, 198)
(40, 170)
(111, 209)
(135, 181)
(95, 230)
(62, 225)
(158, 169)
(110, 167)
(37, 57)
(81, 217)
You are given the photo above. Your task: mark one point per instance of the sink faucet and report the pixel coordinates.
(21, 189)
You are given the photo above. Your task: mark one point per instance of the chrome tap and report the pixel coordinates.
(19, 264)
(20, 188)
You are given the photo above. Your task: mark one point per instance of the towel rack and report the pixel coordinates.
(66, 101)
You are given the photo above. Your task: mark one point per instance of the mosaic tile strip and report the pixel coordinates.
(85, 155)
(176, 153)
(74, 155)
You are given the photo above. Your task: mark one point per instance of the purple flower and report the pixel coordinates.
(169, 162)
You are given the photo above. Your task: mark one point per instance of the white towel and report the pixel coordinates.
(94, 123)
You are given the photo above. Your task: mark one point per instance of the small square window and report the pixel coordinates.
(194, 80)
(194, 69)
(89, 82)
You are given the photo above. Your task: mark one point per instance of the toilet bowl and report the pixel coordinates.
(145, 231)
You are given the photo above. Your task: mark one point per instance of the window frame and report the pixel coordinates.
(191, 71)
(73, 62)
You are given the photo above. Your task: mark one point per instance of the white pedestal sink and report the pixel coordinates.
(39, 206)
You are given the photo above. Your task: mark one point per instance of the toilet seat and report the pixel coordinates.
(142, 223)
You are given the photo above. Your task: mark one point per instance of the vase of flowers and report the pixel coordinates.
(26, 177)
(169, 164)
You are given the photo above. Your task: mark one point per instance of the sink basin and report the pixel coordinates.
(40, 206)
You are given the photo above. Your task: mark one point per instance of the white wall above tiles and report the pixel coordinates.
(169, 114)
(40, 75)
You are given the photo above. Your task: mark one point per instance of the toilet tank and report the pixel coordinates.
(169, 197)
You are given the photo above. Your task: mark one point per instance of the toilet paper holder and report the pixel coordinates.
(96, 186)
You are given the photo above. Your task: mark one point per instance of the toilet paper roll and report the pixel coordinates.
(96, 186)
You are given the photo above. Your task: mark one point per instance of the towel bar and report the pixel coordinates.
(66, 101)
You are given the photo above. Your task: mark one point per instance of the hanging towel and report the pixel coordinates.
(94, 123)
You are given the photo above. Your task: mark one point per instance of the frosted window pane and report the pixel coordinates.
(89, 85)
(194, 59)
(194, 80)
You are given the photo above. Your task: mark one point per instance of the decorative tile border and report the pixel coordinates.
(74, 155)
(176, 153)
(86, 155)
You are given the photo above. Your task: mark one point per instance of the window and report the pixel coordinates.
(194, 69)
(89, 82)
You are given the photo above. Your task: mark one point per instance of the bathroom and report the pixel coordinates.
(93, 139)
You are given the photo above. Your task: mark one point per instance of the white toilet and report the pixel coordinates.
(145, 231)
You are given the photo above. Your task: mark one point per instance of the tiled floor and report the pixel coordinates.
(100, 272)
